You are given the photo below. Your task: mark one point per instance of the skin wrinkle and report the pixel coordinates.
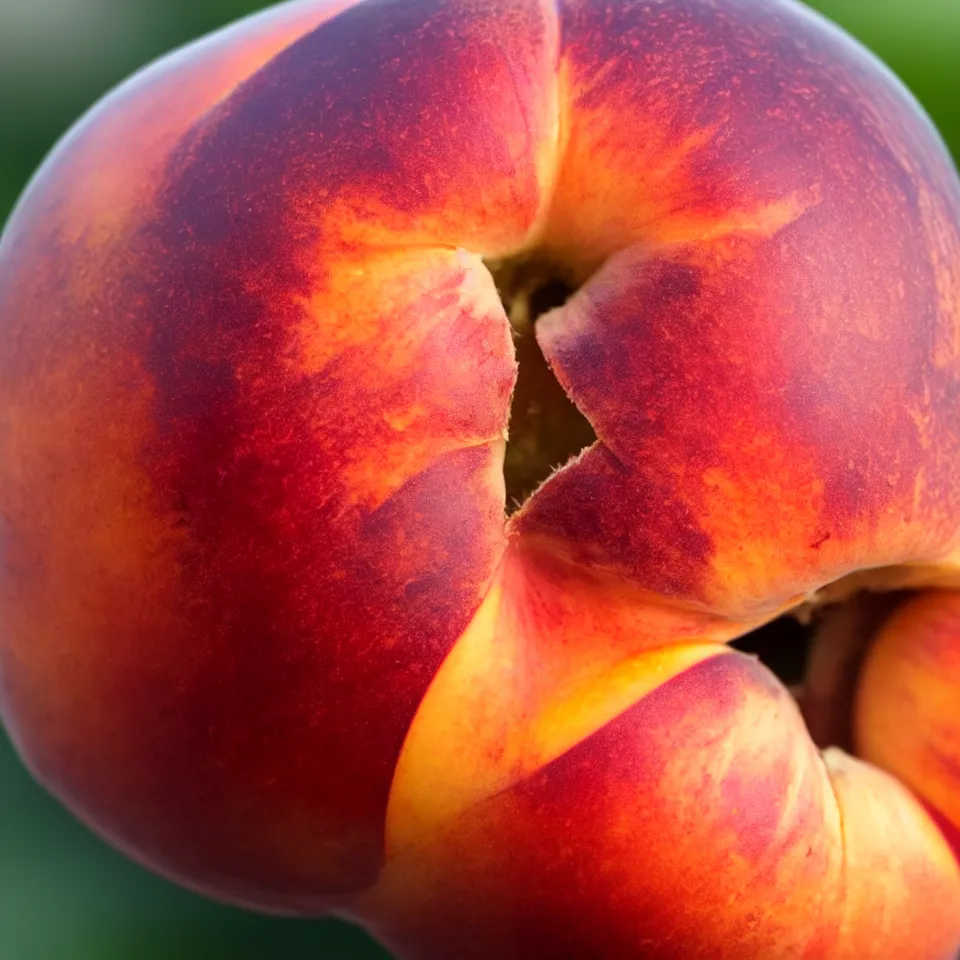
(284, 538)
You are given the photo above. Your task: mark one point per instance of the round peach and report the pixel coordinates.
(267, 624)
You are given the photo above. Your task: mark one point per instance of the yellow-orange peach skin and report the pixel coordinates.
(264, 624)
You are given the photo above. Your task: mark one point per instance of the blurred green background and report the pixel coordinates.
(63, 894)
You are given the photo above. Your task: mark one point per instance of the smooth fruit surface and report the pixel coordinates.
(264, 622)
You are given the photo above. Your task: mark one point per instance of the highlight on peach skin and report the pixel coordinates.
(404, 404)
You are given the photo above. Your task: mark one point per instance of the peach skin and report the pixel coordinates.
(315, 600)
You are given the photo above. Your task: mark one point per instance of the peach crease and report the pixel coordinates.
(313, 603)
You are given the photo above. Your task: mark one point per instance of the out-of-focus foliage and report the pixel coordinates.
(63, 894)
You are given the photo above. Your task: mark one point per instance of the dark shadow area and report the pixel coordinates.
(782, 645)
(546, 428)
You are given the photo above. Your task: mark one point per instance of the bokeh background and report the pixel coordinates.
(63, 894)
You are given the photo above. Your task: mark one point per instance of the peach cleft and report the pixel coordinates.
(404, 404)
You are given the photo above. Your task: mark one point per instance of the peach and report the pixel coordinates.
(271, 623)
(907, 711)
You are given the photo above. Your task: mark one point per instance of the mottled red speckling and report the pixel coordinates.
(266, 626)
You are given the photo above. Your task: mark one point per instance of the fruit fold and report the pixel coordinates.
(593, 773)
(265, 624)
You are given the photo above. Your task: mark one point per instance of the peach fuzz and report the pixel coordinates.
(267, 626)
